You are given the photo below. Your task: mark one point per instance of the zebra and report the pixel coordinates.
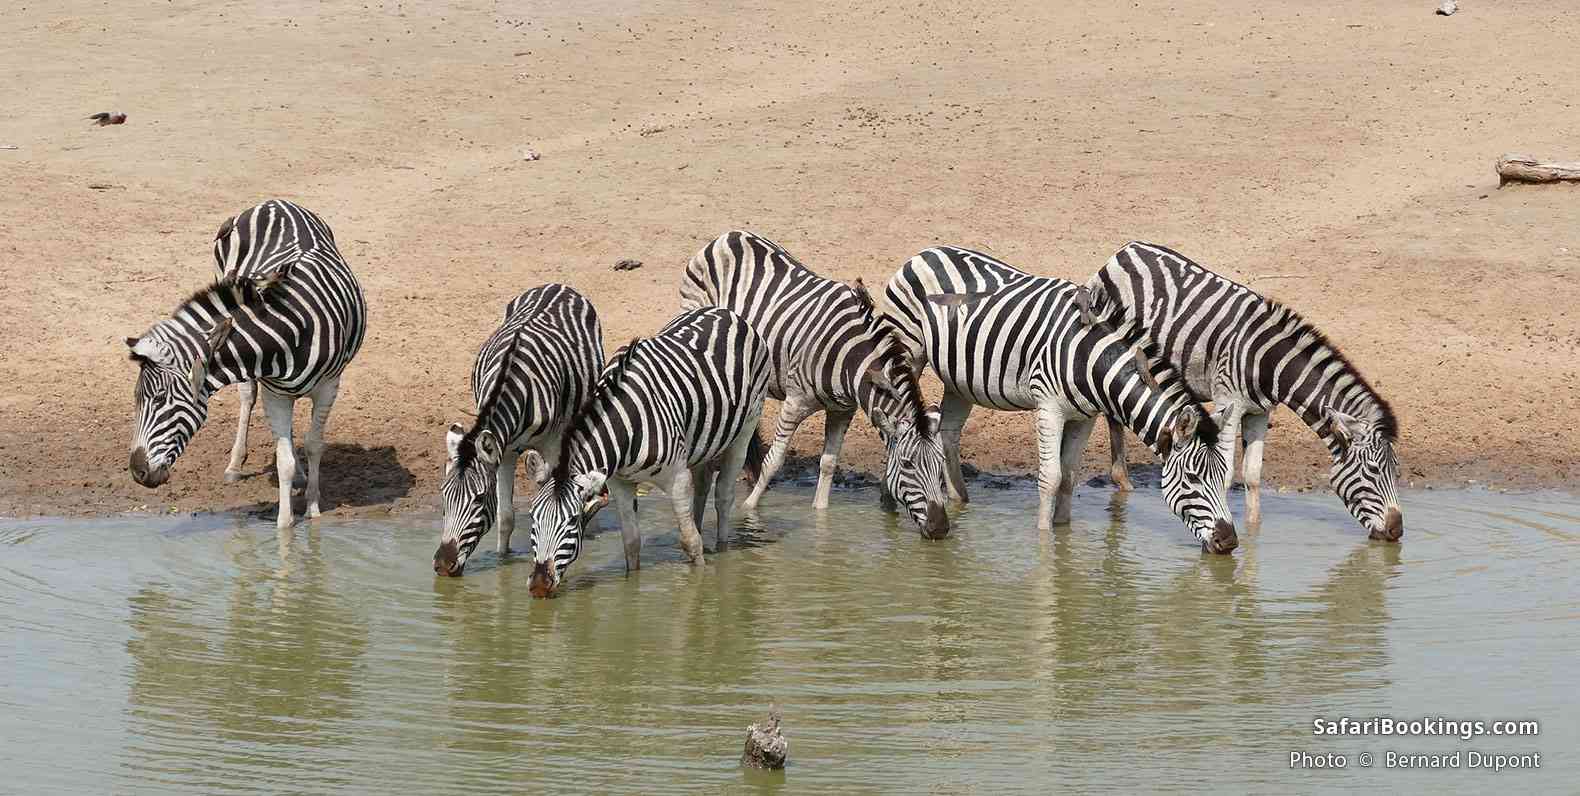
(1002, 338)
(530, 375)
(673, 410)
(286, 313)
(829, 353)
(1254, 354)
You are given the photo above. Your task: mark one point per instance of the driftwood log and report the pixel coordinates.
(766, 747)
(1524, 168)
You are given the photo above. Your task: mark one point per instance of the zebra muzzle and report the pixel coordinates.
(1223, 538)
(1393, 527)
(541, 584)
(937, 526)
(145, 475)
(446, 560)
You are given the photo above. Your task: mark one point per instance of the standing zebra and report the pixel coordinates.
(530, 376)
(1001, 338)
(829, 353)
(672, 410)
(1254, 354)
(287, 313)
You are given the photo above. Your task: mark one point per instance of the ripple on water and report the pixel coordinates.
(213, 654)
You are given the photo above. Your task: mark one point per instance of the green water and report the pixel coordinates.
(211, 655)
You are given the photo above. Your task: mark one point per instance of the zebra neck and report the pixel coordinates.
(235, 360)
(1303, 371)
(1148, 416)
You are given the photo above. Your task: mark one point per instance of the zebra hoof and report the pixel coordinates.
(232, 476)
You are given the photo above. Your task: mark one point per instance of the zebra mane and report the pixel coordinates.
(226, 292)
(613, 374)
(894, 352)
(485, 408)
(1386, 423)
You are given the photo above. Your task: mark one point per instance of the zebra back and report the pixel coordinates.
(1011, 340)
(538, 366)
(679, 397)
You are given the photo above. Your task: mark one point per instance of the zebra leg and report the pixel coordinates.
(729, 473)
(278, 408)
(1255, 431)
(833, 439)
(505, 494)
(623, 495)
(952, 421)
(681, 496)
(247, 395)
(323, 400)
(1071, 444)
(700, 476)
(1050, 436)
(1118, 468)
(792, 413)
(1228, 441)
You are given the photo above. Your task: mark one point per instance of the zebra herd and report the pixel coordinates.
(1145, 343)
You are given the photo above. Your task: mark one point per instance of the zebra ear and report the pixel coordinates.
(883, 423)
(487, 447)
(591, 483)
(452, 441)
(197, 375)
(537, 467)
(1184, 426)
(1344, 427)
(935, 419)
(876, 375)
(594, 504)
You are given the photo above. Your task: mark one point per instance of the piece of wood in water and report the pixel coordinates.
(766, 747)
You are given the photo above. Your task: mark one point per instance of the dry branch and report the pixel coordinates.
(1524, 168)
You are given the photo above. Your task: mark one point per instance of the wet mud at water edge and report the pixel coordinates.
(213, 655)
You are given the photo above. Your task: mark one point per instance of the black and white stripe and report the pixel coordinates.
(1253, 354)
(530, 376)
(1005, 339)
(286, 313)
(829, 354)
(674, 410)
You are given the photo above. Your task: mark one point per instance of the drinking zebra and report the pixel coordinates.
(286, 312)
(530, 376)
(673, 410)
(1253, 354)
(1001, 338)
(829, 353)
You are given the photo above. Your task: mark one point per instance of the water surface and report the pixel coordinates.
(213, 655)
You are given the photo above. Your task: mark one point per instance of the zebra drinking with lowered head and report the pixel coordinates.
(1253, 354)
(286, 313)
(829, 353)
(530, 376)
(1005, 339)
(678, 410)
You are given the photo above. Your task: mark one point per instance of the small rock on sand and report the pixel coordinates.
(766, 747)
(628, 265)
(1447, 8)
(530, 154)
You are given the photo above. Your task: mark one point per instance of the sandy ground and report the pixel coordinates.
(1335, 155)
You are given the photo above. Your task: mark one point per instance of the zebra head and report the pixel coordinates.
(561, 509)
(1365, 471)
(1195, 477)
(471, 478)
(171, 396)
(913, 469)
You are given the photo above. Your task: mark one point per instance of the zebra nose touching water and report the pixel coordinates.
(286, 313)
(678, 410)
(1005, 339)
(1253, 354)
(530, 376)
(829, 353)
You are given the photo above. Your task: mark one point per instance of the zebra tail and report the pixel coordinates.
(756, 452)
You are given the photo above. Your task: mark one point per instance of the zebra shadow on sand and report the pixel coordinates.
(354, 475)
